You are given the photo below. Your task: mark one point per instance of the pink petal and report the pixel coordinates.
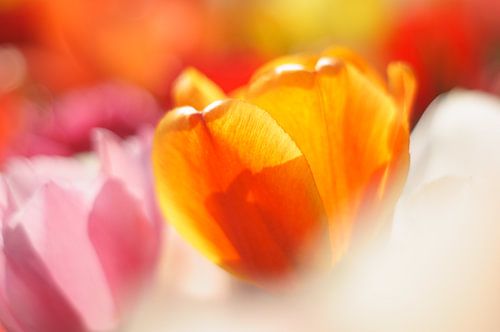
(35, 302)
(125, 240)
(130, 161)
(121, 160)
(6, 315)
(8, 205)
(25, 175)
(54, 265)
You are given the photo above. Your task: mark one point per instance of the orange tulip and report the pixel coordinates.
(312, 141)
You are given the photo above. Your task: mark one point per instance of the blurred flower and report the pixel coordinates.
(458, 136)
(25, 25)
(229, 69)
(12, 74)
(276, 27)
(64, 126)
(12, 69)
(186, 273)
(449, 44)
(9, 122)
(144, 43)
(250, 180)
(140, 42)
(185, 281)
(19, 20)
(80, 236)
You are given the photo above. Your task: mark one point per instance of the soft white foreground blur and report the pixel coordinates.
(440, 270)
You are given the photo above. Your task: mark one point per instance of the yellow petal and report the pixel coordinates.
(192, 88)
(235, 185)
(351, 131)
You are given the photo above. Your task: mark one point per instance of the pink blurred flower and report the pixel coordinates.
(64, 126)
(80, 236)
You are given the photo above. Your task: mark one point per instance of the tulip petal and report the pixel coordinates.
(130, 162)
(6, 313)
(7, 203)
(119, 163)
(32, 299)
(284, 63)
(402, 86)
(57, 281)
(117, 224)
(458, 135)
(194, 89)
(237, 187)
(354, 59)
(25, 175)
(349, 130)
(309, 62)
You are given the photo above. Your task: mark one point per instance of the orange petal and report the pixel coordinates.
(348, 127)
(192, 88)
(354, 59)
(308, 62)
(296, 61)
(402, 86)
(235, 185)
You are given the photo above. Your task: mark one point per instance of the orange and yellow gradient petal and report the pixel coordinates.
(234, 184)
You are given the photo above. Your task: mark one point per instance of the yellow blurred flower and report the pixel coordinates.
(311, 141)
(277, 26)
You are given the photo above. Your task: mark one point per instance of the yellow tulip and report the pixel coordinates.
(312, 141)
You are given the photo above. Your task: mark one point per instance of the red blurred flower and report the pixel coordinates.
(19, 20)
(448, 44)
(230, 70)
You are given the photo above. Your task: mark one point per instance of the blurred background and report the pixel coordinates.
(69, 66)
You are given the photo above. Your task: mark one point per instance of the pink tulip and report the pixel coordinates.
(80, 236)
